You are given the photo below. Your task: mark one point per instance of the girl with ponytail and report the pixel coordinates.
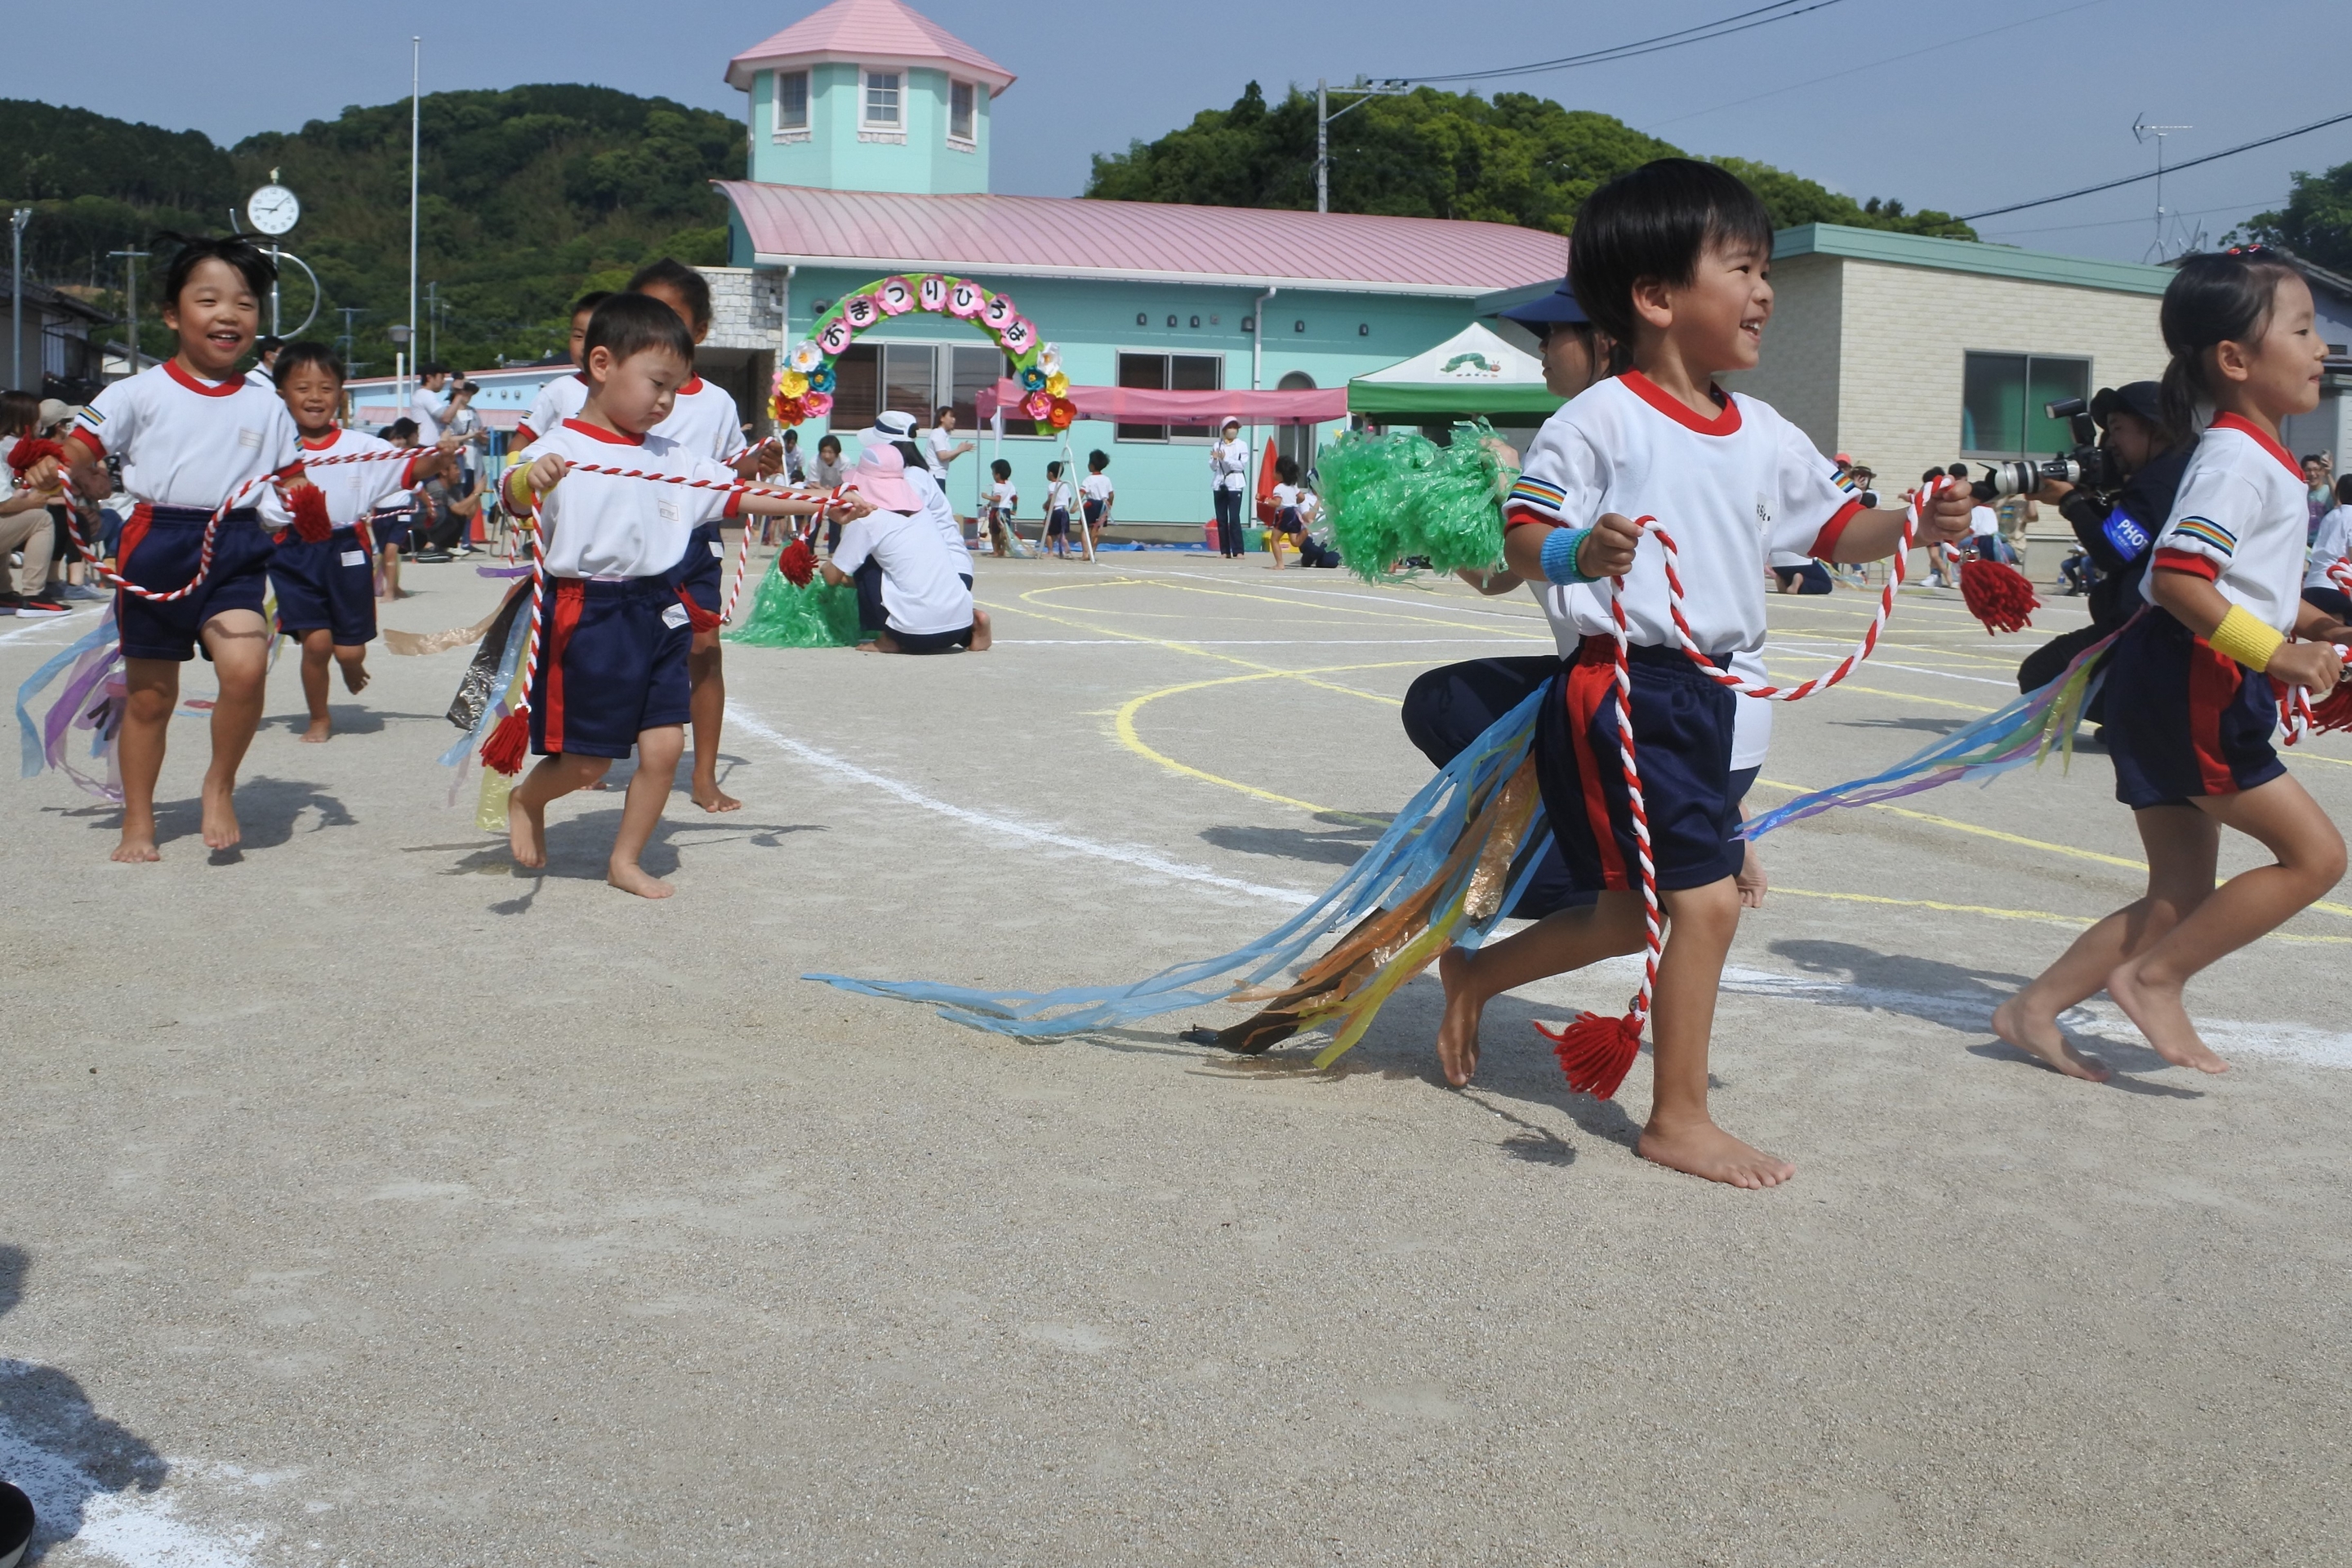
(2194, 682)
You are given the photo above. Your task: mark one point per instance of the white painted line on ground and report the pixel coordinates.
(1126, 855)
(117, 1522)
(1795, 650)
(46, 623)
(1261, 642)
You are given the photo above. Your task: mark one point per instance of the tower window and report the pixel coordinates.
(882, 99)
(962, 112)
(791, 100)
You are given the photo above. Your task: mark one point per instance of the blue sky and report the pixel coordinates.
(2043, 102)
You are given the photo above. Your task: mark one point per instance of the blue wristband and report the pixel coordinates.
(1560, 548)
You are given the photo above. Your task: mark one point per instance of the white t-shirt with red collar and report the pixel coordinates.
(703, 420)
(559, 400)
(1729, 489)
(187, 442)
(355, 489)
(609, 527)
(2238, 521)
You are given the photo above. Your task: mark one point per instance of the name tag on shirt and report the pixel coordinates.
(675, 616)
(719, 550)
(667, 508)
(353, 558)
(248, 438)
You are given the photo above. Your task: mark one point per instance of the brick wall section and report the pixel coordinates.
(746, 307)
(1803, 347)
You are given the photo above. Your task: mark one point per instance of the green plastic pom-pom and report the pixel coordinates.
(817, 615)
(1403, 497)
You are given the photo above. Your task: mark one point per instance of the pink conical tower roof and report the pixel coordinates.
(878, 31)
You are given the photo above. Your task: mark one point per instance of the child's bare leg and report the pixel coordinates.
(352, 659)
(153, 691)
(707, 706)
(239, 641)
(1562, 941)
(526, 802)
(981, 635)
(2284, 818)
(318, 647)
(657, 753)
(1680, 1134)
(2182, 843)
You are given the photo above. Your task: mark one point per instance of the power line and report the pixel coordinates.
(1721, 27)
(2150, 175)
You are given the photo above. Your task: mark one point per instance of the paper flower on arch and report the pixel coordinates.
(1032, 379)
(805, 356)
(1059, 412)
(1057, 384)
(788, 410)
(821, 378)
(791, 383)
(1037, 406)
(896, 296)
(817, 404)
(964, 300)
(1049, 359)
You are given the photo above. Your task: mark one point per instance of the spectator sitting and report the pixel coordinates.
(912, 595)
(2078, 571)
(1798, 573)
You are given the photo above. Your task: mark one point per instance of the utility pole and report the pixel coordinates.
(433, 320)
(350, 339)
(17, 218)
(1390, 86)
(132, 258)
(415, 144)
(2143, 133)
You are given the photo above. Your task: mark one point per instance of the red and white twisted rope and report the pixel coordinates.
(2295, 716)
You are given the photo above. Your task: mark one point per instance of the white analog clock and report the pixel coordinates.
(272, 209)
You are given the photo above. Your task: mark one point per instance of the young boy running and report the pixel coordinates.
(190, 433)
(1671, 260)
(326, 591)
(612, 671)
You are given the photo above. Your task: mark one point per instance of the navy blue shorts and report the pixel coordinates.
(1683, 725)
(2183, 720)
(389, 530)
(702, 571)
(161, 546)
(1057, 521)
(326, 587)
(613, 665)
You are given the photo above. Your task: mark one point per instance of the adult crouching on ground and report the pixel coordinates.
(912, 595)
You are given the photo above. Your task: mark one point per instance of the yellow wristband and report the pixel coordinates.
(2249, 641)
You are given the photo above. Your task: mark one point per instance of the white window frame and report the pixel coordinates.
(971, 138)
(898, 89)
(1170, 439)
(778, 129)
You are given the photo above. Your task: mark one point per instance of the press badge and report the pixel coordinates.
(2126, 534)
(674, 616)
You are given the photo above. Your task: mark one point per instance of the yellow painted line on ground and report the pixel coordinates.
(1123, 723)
(1351, 610)
(2043, 917)
(1793, 675)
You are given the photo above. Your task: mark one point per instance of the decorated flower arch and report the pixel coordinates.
(804, 384)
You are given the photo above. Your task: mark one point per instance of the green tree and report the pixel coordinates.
(2316, 222)
(1514, 158)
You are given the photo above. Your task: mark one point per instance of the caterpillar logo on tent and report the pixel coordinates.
(1470, 363)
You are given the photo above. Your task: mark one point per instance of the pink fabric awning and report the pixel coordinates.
(1142, 405)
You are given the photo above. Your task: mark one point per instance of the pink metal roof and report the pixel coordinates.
(1060, 237)
(878, 30)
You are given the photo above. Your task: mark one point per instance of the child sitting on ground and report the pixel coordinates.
(615, 624)
(1672, 261)
(1293, 513)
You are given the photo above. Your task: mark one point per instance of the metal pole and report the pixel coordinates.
(131, 260)
(17, 218)
(274, 265)
(415, 144)
(1322, 147)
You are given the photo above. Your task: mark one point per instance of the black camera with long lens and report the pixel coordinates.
(2087, 467)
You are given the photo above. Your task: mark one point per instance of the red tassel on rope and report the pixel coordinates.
(697, 617)
(309, 504)
(798, 562)
(1998, 594)
(508, 744)
(1596, 1052)
(2335, 712)
(31, 449)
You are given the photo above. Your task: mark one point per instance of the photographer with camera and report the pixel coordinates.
(2116, 507)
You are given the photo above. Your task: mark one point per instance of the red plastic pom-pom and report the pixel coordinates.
(309, 504)
(508, 744)
(798, 562)
(1998, 594)
(1596, 1052)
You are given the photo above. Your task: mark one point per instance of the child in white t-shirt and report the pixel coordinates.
(1002, 501)
(1095, 494)
(1294, 512)
(1057, 511)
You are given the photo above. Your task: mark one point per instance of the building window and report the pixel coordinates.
(1170, 372)
(856, 386)
(1295, 442)
(2001, 399)
(791, 101)
(882, 99)
(962, 111)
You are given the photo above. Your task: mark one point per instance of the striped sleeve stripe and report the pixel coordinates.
(2205, 530)
(1540, 494)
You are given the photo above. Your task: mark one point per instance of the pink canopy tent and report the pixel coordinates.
(1144, 406)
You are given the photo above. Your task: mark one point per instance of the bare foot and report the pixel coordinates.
(710, 797)
(2157, 1009)
(631, 878)
(2041, 1039)
(221, 831)
(526, 832)
(1703, 1149)
(319, 732)
(982, 632)
(136, 848)
(355, 677)
(1751, 881)
(1458, 1031)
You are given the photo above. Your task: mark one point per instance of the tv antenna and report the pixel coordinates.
(2144, 132)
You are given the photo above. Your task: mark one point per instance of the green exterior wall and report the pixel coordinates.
(840, 155)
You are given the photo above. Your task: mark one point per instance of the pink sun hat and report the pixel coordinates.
(880, 476)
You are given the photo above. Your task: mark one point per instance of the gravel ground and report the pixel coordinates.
(368, 1202)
